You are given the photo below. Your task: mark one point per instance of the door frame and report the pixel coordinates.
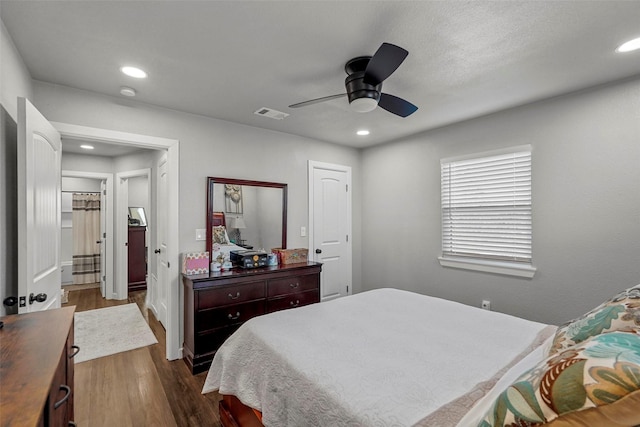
(172, 146)
(108, 178)
(312, 166)
(121, 290)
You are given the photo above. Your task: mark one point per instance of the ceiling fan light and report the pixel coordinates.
(363, 105)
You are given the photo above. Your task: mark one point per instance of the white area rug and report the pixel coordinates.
(110, 330)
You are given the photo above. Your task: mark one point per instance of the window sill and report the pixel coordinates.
(496, 267)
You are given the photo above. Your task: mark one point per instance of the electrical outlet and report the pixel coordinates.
(303, 231)
(486, 304)
(201, 234)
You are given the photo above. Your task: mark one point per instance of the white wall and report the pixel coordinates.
(258, 155)
(586, 205)
(15, 81)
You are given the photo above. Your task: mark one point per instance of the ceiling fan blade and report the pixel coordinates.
(395, 105)
(317, 100)
(384, 62)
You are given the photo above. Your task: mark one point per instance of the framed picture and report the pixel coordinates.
(233, 198)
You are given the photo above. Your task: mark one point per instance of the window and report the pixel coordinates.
(486, 212)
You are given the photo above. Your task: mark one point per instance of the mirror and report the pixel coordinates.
(253, 213)
(137, 217)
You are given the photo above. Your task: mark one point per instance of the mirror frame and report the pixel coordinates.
(213, 180)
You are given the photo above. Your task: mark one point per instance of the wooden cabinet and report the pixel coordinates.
(137, 258)
(215, 305)
(36, 368)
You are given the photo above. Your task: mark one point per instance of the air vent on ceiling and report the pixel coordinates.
(271, 113)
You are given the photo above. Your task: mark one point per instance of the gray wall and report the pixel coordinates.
(586, 205)
(205, 145)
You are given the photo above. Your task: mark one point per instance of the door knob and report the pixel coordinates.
(39, 298)
(157, 251)
(318, 251)
(10, 301)
(98, 241)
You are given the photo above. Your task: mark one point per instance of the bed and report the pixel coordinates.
(394, 358)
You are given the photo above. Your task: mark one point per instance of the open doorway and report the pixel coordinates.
(165, 154)
(86, 210)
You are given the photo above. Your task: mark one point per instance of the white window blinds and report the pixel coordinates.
(486, 207)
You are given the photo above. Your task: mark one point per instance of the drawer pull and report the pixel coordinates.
(294, 304)
(77, 350)
(235, 297)
(294, 285)
(65, 398)
(232, 317)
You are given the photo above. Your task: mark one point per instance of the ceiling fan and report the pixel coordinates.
(365, 75)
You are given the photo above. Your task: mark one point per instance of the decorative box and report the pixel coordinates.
(195, 263)
(291, 256)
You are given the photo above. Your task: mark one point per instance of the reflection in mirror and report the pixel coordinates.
(253, 213)
(137, 216)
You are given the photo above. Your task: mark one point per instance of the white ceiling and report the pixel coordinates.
(226, 59)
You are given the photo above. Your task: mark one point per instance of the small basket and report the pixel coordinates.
(291, 256)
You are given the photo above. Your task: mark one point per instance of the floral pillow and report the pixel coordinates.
(220, 235)
(620, 313)
(596, 382)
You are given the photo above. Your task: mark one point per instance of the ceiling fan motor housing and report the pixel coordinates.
(357, 88)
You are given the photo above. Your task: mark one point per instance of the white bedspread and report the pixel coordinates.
(379, 358)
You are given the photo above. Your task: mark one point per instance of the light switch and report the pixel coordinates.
(303, 231)
(201, 234)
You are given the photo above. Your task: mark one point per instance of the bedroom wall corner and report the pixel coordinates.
(586, 209)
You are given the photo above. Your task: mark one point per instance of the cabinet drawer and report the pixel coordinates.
(209, 342)
(291, 301)
(212, 298)
(226, 316)
(293, 284)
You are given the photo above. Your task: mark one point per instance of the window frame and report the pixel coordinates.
(488, 264)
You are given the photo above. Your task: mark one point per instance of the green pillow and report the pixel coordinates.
(594, 382)
(620, 313)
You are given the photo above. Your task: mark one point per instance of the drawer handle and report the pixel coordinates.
(65, 398)
(294, 285)
(297, 303)
(77, 350)
(236, 297)
(232, 317)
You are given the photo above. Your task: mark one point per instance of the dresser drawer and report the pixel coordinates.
(294, 300)
(226, 316)
(209, 342)
(293, 284)
(212, 298)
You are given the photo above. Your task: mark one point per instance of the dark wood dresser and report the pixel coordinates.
(215, 305)
(137, 258)
(36, 368)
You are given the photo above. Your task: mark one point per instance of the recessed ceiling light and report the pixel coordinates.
(127, 91)
(363, 132)
(87, 146)
(134, 72)
(629, 46)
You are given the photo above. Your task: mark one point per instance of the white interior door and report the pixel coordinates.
(161, 242)
(122, 227)
(103, 238)
(330, 226)
(39, 213)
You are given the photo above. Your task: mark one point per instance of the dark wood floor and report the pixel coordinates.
(138, 387)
